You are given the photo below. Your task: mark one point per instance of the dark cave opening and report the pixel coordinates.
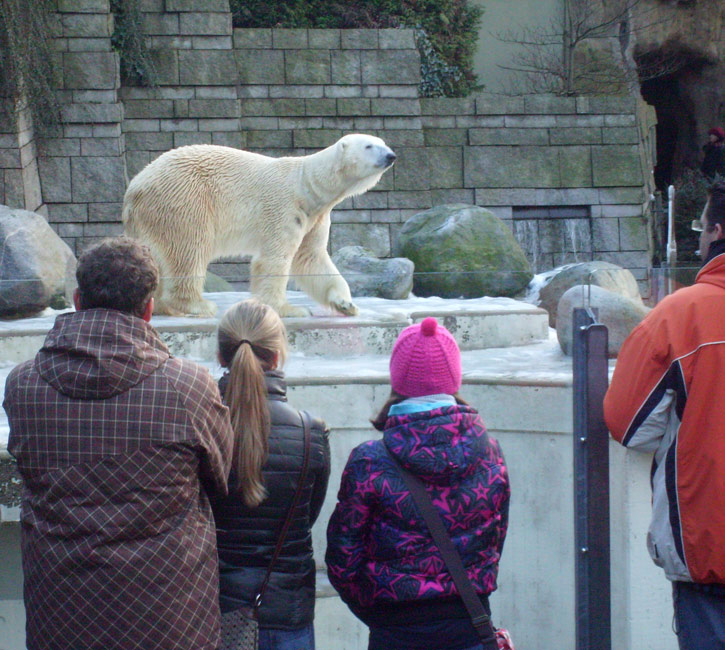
(673, 81)
(663, 94)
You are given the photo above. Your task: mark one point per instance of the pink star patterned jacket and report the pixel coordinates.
(380, 555)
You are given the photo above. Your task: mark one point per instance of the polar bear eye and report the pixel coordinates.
(369, 146)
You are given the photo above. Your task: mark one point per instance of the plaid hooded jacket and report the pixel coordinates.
(119, 446)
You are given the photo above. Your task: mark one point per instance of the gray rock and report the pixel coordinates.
(367, 275)
(619, 313)
(601, 274)
(462, 250)
(216, 284)
(35, 265)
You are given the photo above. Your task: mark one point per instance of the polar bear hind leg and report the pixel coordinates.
(182, 282)
(181, 253)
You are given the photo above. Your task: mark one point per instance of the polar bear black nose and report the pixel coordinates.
(390, 159)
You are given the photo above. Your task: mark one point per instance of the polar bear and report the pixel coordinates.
(200, 202)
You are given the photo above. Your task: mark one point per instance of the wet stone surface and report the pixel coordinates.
(10, 483)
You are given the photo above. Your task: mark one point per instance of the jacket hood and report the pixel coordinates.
(99, 353)
(438, 445)
(712, 270)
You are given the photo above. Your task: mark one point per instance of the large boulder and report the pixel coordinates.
(462, 250)
(368, 275)
(35, 265)
(619, 313)
(601, 274)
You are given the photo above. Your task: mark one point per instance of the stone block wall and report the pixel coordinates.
(19, 179)
(570, 175)
(82, 168)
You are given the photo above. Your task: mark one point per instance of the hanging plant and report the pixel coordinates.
(137, 67)
(27, 65)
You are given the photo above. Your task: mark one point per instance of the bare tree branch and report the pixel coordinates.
(557, 57)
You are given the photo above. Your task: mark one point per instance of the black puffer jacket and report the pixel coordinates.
(246, 537)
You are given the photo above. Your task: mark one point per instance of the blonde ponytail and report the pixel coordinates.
(251, 337)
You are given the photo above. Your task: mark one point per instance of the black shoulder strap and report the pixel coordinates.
(481, 621)
(305, 417)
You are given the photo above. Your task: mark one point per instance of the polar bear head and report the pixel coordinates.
(362, 159)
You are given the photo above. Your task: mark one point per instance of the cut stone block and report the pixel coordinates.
(507, 167)
(447, 166)
(390, 66)
(575, 135)
(315, 138)
(93, 70)
(260, 66)
(359, 39)
(617, 166)
(252, 38)
(90, 113)
(148, 108)
(307, 67)
(510, 136)
(84, 6)
(197, 5)
(324, 39)
(205, 23)
(98, 179)
(166, 66)
(375, 237)
(209, 108)
(207, 67)
(55, 179)
(293, 39)
(575, 165)
(86, 25)
(549, 104)
(412, 171)
(396, 39)
(161, 24)
(389, 106)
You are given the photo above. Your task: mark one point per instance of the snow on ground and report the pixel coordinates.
(539, 363)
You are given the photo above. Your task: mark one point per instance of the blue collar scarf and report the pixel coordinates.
(422, 403)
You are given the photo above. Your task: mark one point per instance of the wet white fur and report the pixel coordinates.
(197, 203)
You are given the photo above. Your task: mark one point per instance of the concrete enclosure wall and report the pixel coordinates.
(571, 175)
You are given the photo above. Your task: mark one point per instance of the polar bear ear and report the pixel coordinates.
(343, 144)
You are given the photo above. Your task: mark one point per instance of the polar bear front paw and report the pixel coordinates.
(344, 307)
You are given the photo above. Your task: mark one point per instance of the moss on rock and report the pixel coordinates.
(462, 250)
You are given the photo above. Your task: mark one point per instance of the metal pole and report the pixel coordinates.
(591, 484)
(671, 240)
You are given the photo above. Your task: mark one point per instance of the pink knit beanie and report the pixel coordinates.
(425, 361)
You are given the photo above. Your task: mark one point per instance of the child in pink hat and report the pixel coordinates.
(381, 557)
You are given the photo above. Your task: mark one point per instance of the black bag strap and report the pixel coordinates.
(481, 621)
(306, 426)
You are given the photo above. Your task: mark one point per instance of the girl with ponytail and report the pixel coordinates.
(267, 459)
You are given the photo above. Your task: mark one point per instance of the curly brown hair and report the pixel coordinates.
(117, 273)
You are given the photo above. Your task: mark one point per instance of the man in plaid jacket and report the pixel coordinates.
(120, 446)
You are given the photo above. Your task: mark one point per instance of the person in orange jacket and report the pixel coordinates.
(664, 397)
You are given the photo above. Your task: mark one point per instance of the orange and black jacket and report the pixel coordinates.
(666, 396)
